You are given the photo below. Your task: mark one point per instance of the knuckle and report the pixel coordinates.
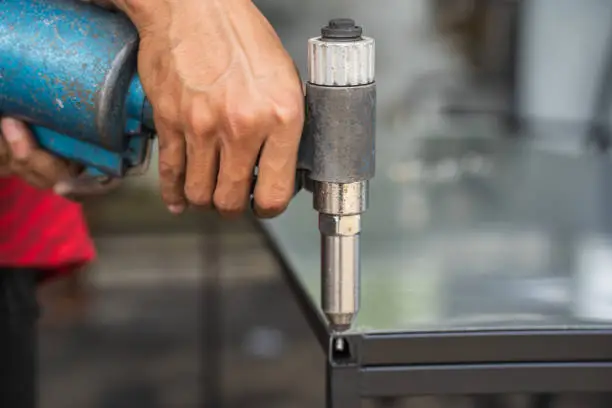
(228, 206)
(166, 110)
(170, 173)
(198, 122)
(243, 120)
(171, 149)
(198, 197)
(272, 204)
(289, 113)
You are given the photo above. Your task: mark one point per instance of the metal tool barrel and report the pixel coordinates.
(340, 139)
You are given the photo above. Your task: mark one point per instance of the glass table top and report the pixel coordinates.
(469, 229)
(466, 229)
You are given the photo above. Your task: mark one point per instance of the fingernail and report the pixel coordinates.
(176, 208)
(13, 132)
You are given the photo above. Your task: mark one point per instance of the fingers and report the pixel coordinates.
(241, 139)
(202, 168)
(19, 155)
(80, 187)
(277, 166)
(222, 155)
(41, 169)
(216, 108)
(202, 154)
(234, 180)
(35, 166)
(172, 162)
(19, 138)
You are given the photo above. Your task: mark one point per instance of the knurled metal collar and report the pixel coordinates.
(334, 62)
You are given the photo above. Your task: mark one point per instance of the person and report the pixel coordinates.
(225, 95)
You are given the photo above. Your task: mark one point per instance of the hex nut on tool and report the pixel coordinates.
(336, 225)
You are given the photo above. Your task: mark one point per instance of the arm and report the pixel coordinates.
(224, 92)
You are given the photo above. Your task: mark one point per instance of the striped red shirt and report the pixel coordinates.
(39, 229)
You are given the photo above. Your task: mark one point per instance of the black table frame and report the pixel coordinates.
(403, 364)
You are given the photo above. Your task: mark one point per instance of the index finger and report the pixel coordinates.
(18, 137)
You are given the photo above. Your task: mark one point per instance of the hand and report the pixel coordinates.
(20, 156)
(224, 92)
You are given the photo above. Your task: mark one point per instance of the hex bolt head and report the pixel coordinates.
(339, 225)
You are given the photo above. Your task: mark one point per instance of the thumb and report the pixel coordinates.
(18, 137)
(84, 186)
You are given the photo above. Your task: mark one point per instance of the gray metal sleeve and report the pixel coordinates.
(338, 145)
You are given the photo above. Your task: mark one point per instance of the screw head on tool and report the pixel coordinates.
(341, 29)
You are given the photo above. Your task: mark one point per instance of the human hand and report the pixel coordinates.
(20, 156)
(224, 92)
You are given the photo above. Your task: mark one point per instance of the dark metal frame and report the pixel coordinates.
(381, 365)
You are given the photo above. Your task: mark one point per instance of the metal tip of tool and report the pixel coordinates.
(339, 328)
(339, 323)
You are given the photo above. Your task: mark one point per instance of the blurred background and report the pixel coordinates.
(180, 311)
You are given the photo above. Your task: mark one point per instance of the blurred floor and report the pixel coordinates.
(132, 333)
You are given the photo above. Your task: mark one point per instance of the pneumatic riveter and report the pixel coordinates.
(69, 70)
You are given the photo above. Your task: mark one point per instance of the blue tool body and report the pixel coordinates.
(69, 69)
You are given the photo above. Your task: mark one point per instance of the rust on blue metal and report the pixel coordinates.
(69, 70)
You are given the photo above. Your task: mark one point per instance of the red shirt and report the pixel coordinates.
(39, 229)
